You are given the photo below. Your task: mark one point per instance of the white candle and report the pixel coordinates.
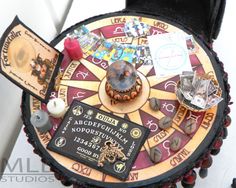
(56, 107)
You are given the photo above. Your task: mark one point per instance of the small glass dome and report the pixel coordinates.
(121, 75)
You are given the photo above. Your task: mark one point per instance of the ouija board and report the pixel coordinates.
(85, 80)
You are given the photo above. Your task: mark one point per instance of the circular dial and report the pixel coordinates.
(85, 80)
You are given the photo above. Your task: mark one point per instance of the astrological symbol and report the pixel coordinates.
(96, 61)
(99, 61)
(167, 147)
(83, 74)
(170, 83)
(169, 107)
(152, 126)
(104, 65)
(79, 95)
(118, 30)
(156, 32)
(53, 95)
(194, 117)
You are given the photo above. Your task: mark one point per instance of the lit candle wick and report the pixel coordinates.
(54, 103)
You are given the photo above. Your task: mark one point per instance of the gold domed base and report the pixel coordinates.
(124, 95)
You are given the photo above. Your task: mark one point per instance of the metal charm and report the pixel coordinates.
(110, 152)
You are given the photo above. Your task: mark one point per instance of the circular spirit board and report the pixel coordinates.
(85, 80)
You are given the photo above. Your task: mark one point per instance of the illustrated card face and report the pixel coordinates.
(28, 61)
(98, 139)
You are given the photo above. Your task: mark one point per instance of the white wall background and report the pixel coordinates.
(46, 17)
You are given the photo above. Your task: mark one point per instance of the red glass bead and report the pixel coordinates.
(207, 162)
(227, 110)
(225, 130)
(189, 173)
(215, 152)
(191, 178)
(198, 164)
(218, 143)
(227, 121)
(203, 172)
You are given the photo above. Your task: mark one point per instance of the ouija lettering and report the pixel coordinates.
(82, 169)
(183, 154)
(6, 45)
(103, 127)
(107, 119)
(207, 121)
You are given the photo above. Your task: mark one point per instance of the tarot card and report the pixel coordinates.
(104, 50)
(186, 82)
(134, 28)
(94, 48)
(199, 101)
(213, 100)
(212, 88)
(196, 79)
(203, 87)
(147, 56)
(191, 44)
(118, 51)
(128, 53)
(187, 94)
(88, 41)
(139, 55)
(201, 94)
(80, 32)
(29, 61)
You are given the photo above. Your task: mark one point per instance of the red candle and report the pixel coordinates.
(73, 48)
